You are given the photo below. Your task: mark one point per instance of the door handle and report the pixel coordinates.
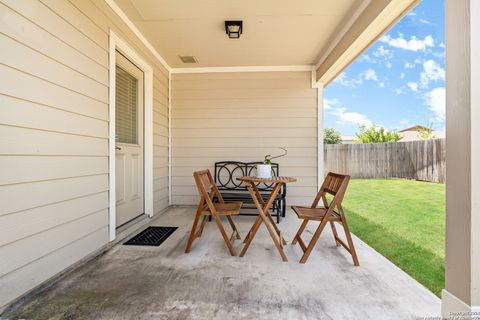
(118, 148)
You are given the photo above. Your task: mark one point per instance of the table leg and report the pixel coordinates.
(272, 197)
(251, 229)
(263, 212)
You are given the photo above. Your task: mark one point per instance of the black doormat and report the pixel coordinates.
(152, 236)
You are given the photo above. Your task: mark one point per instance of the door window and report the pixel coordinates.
(126, 103)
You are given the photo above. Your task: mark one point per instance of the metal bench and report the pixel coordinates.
(233, 190)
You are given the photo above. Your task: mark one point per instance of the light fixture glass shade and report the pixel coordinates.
(233, 29)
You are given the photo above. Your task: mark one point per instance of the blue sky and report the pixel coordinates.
(399, 81)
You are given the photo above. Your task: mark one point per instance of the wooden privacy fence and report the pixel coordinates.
(420, 160)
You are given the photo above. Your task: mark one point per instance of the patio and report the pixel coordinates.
(132, 282)
(189, 96)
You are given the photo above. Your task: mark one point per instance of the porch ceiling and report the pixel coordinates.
(275, 33)
(322, 35)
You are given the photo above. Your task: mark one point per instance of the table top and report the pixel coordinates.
(267, 180)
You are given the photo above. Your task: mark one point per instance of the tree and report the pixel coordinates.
(427, 132)
(331, 136)
(375, 134)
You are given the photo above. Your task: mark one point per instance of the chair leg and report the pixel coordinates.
(224, 235)
(234, 227)
(194, 228)
(314, 240)
(349, 241)
(202, 226)
(335, 234)
(300, 231)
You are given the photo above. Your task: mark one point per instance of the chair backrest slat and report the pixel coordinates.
(206, 187)
(334, 184)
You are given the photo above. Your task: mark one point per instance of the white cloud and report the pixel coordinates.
(330, 103)
(440, 54)
(432, 71)
(435, 100)
(398, 91)
(388, 64)
(346, 117)
(425, 21)
(413, 44)
(344, 80)
(402, 75)
(411, 14)
(370, 74)
(442, 45)
(409, 65)
(381, 84)
(366, 58)
(381, 52)
(413, 86)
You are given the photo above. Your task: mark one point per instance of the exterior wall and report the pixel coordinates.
(54, 136)
(244, 116)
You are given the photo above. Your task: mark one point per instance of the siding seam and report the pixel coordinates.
(54, 83)
(55, 226)
(32, 22)
(51, 252)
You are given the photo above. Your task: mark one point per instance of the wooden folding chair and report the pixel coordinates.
(335, 185)
(207, 189)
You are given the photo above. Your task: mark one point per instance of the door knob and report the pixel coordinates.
(118, 148)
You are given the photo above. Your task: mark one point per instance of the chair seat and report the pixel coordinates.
(225, 209)
(313, 213)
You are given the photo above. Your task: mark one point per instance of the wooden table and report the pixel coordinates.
(264, 211)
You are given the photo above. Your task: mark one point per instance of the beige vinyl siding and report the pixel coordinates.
(244, 116)
(54, 136)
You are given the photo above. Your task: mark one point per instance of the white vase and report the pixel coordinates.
(264, 171)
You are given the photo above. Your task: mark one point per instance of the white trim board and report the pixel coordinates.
(141, 37)
(244, 69)
(454, 308)
(170, 140)
(342, 31)
(320, 149)
(116, 43)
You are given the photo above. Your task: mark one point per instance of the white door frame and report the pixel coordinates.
(116, 43)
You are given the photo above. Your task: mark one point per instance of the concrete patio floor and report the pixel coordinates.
(129, 282)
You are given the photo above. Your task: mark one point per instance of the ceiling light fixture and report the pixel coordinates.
(234, 29)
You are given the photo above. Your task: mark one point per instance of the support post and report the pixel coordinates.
(461, 296)
(320, 151)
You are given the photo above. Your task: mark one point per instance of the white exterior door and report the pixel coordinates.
(129, 110)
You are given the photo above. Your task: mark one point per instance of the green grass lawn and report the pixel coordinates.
(404, 220)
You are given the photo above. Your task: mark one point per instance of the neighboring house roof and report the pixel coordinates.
(414, 128)
(413, 134)
(408, 134)
(349, 139)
